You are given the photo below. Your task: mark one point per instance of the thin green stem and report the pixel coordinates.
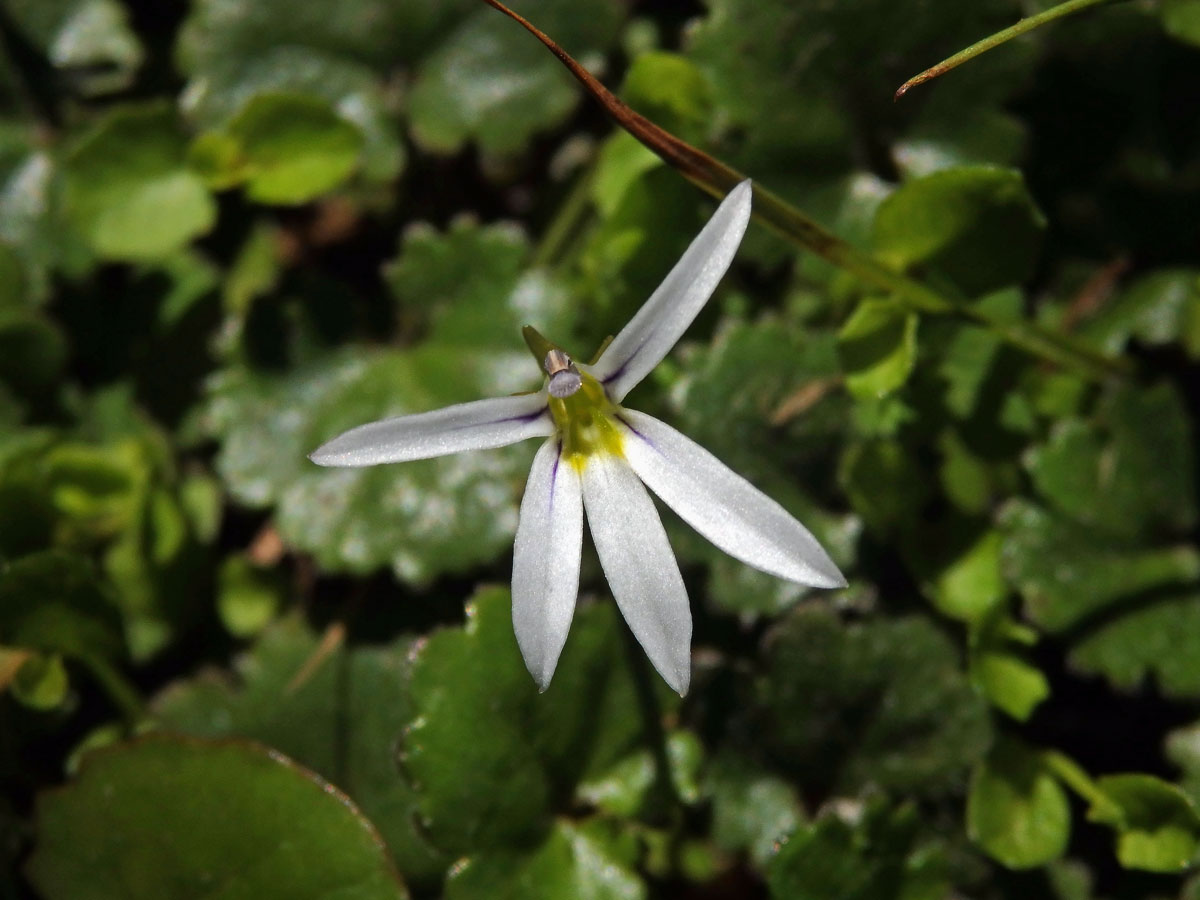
(119, 689)
(572, 212)
(718, 179)
(995, 40)
(1074, 777)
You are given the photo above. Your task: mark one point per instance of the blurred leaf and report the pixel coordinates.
(1067, 573)
(52, 601)
(1157, 826)
(582, 862)
(879, 857)
(41, 682)
(165, 817)
(491, 82)
(753, 810)
(128, 189)
(669, 90)
(341, 718)
(286, 148)
(490, 756)
(90, 39)
(376, 32)
(1130, 474)
(977, 225)
(971, 586)
(881, 702)
(1159, 308)
(1016, 810)
(968, 136)
(220, 98)
(883, 482)
(878, 348)
(33, 352)
(248, 596)
(1181, 19)
(422, 518)
(625, 788)
(1160, 636)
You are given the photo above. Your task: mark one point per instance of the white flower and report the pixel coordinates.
(597, 458)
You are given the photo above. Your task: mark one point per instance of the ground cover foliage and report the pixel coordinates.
(230, 229)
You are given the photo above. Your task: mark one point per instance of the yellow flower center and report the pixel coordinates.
(585, 423)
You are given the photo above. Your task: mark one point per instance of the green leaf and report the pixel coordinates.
(423, 518)
(575, 861)
(881, 702)
(286, 148)
(1157, 826)
(128, 189)
(753, 810)
(167, 817)
(33, 352)
(670, 90)
(339, 713)
(1068, 573)
(1181, 19)
(90, 39)
(490, 756)
(879, 857)
(1130, 473)
(376, 32)
(1011, 682)
(878, 348)
(1160, 636)
(491, 82)
(41, 682)
(1016, 809)
(1161, 307)
(976, 225)
(248, 596)
(625, 788)
(971, 586)
(228, 85)
(52, 601)
(884, 483)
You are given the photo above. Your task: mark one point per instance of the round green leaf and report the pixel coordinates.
(128, 188)
(174, 817)
(286, 148)
(1016, 810)
(337, 712)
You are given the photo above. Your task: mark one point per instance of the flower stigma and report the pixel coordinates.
(585, 422)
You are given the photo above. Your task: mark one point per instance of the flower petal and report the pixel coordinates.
(479, 425)
(662, 320)
(639, 565)
(546, 561)
(723, 506)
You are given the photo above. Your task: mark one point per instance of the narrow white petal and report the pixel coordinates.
(639, 565)
(546, 561)
(662, 320)
(479, 425)
(723, 506)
